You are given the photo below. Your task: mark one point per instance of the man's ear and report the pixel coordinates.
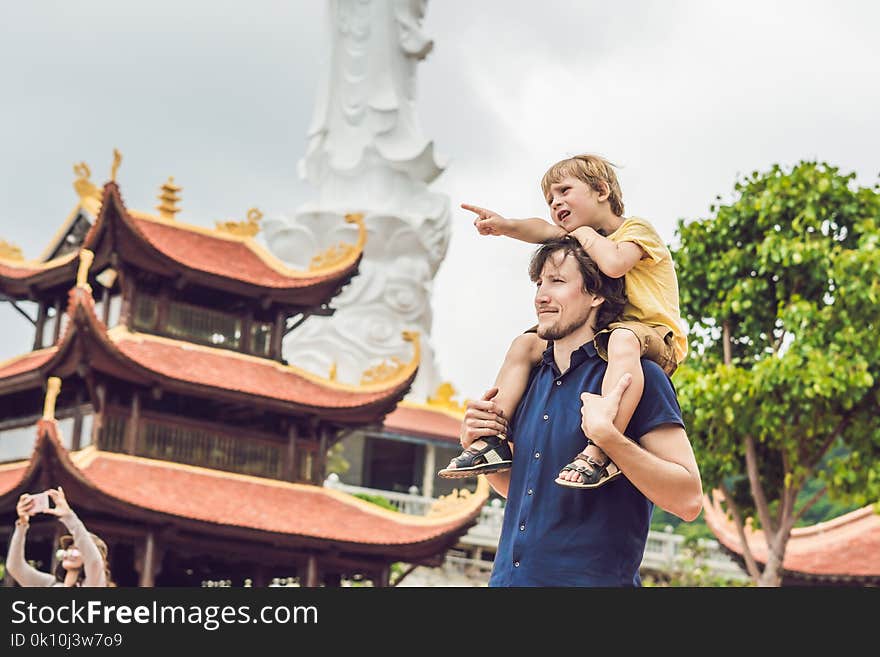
(597, 301)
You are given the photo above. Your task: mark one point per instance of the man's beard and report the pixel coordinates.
(558, 331)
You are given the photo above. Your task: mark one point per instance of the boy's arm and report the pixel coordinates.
(532, 230)
(613, 258)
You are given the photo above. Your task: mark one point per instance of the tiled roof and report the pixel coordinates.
(222, 498)
(226, 256)
(26, 363)
(151, 357)
(196, 249)
(211, 251)
(845, 547)
(22, 269)
(421, 420)
(221, 368)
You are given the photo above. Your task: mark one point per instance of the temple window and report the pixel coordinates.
(261, 338)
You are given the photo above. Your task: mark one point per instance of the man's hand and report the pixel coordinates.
(598, 413)
(482, 418)
(487, 221)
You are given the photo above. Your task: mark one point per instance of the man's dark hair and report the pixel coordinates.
(595, 282)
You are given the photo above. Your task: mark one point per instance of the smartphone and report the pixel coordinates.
(41, 502)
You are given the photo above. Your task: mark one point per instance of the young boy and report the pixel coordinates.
(586, 202)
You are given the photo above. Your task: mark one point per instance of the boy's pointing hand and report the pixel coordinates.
(487, 221)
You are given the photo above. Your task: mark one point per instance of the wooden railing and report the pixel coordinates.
(171, 440)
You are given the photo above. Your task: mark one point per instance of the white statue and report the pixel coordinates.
(367, 154)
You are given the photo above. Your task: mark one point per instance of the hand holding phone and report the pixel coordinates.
(41, 502)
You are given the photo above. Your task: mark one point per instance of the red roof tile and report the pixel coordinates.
(147, 356)
(224, 369)
(197, 249)
(242, 501)
(420, 421)
(11, 474)
(847, 546)
(27, 362)
(10, 269)
(222, 256)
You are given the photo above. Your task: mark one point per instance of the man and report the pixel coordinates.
(557, 536)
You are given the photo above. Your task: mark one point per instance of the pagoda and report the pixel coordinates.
(180, 434)
(843, 551)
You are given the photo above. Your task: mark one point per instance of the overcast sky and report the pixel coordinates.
(684, 95)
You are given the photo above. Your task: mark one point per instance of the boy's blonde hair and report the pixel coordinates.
(594, 170)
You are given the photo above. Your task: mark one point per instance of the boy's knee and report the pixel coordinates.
(623, 343)
(527, 347)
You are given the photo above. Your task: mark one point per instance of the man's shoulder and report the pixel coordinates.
(659, 403)
(655, 376)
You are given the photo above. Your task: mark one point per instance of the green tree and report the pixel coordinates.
(781, 288)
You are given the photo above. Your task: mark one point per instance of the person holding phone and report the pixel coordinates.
(81, 555)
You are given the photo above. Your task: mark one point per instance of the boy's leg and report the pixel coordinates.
(624, 356)
(524, 353)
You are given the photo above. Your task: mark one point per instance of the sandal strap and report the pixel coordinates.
(470, 456)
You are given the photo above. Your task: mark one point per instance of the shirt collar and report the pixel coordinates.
(585, 351)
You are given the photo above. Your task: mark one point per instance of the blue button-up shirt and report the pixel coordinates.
(557, 536)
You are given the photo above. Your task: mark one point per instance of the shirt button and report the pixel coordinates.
(522, 528)
(559, 383)
(537, 455)
(516, 564)
(546, 417)
(530, 491)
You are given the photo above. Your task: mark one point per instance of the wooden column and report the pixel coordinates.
(311, 578)
(126, 312)
(247, 321)
(76, 438)
(148, 561)
(320, 463)
(162, 310)
(99, 405)
(134, 421)
(41, 323)
(429, 471)
(291, 473)
(105, 306)
(277, 336)
(259, 580)
(58, 314)
(383, 576)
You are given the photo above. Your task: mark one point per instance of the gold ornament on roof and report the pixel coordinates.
(83, 186)
(117, 160)
(86, 258)
(341, 252)
(386, 371)
(443, 398)
(449, 504)
(247, 228)
(169, 197)
(53, 387)
(9, 251)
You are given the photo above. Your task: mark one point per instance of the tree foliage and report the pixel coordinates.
(780, 288)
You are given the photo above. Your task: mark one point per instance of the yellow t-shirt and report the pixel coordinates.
(652, 286)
